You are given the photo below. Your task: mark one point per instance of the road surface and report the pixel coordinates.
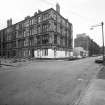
(46, 82)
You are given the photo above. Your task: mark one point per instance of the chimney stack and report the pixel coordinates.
(58, 8)
(9, 22)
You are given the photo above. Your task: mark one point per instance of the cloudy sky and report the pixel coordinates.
(81, 13)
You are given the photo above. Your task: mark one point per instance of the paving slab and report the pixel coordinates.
(95, 94)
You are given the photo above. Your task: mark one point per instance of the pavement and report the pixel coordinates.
(95, 93)
(13, 62)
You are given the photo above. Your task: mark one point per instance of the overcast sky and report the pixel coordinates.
(81, 13)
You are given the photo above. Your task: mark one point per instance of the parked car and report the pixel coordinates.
(99, 60)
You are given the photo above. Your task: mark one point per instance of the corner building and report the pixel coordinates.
(45, 35)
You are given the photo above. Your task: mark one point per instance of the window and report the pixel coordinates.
(30, 22)
(26, 23)
(30, 32)
(39, 29)
(24, 34)
(26, 42)
(55, 39)
(58, 28)
(31, 41)
(20, 34)
(19, 44)
(58, 40)
(9, 36)
(45, 39)
(17, 26)
(35, 29)
(45, 27)
(45, 16)
(26, 31)
(38, 40)
(39, 19)
(34, 20)
(63, 41)
(13, 36)
(20, 26)
(35, 39)
(63, 31)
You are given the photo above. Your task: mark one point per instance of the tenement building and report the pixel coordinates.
(47, 34)
(84, 41)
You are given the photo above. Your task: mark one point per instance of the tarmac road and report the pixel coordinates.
(47, 82)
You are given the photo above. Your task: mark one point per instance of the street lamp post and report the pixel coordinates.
(102, 25)
(103, 39)
(1, 50)
(0, 53)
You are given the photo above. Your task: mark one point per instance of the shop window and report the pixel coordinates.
(55, 52)
(38, 52)
(45, 52)
(65, 53)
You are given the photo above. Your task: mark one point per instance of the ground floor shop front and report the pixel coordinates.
(38, 53)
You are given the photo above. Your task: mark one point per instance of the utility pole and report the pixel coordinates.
(102, 25)
(0, 48)
(103, 40)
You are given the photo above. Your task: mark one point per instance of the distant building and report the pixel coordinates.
(47, 34)
(79, 52)
(84, 41)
